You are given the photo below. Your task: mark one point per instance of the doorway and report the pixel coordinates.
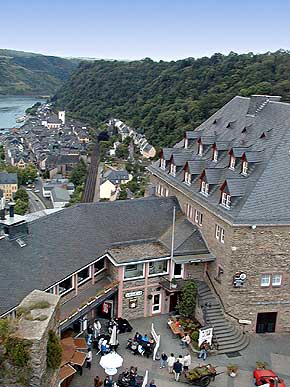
(173, 302)
(106, 309)
(156, 303)
(266, 322)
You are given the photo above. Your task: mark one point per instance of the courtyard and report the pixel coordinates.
(271, 348)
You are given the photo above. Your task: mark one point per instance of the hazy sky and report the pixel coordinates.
(134, 29)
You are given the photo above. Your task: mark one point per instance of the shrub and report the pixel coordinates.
(54, 351)
(187, 301)
(18, 351)
(194, 336)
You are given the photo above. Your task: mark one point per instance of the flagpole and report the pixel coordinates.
(172, 242)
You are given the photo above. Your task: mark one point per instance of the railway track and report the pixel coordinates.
(90, 186)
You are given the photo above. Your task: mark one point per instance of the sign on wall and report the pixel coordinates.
(205, 334)
(136, 293)
(133, 303)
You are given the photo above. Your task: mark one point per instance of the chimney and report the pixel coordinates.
(11, 209)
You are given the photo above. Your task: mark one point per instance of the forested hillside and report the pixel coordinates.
(28, 73)
(165, 98)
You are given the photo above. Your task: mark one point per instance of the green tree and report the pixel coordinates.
(21, 194)
(54, 351)
(78, 174)
(21, 207)
(27, 174)
(123, 194)
(122, 151)
(187, 300)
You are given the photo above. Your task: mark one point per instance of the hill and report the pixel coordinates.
(165, 98)
(28, 73)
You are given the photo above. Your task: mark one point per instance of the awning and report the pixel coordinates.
(79, 358)
(80, 343)
(66, 371)
(193, 258)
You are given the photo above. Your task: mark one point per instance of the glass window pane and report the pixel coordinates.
(276, 279)
(265, 279)
(132, 271)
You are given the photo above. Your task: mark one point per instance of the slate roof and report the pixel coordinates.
(60, 195)
(115, 176)
(8, 178)
(259, 132)
(61, 243)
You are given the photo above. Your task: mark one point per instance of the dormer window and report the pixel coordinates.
(204, 188)
(162, 164)
(200, 149)
(187, 178)
(232, 162)
(226, 200)
(172, 169)
(245, 168)
(215, 155)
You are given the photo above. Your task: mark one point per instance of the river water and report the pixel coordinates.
(12, 107)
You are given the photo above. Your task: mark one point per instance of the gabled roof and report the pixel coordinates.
(234, 187)
(195, 167)
(8, 178)
(212, 175)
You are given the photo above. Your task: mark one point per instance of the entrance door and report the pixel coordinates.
(266, 322)
(178, 270)
(173, 302)
(156, 303)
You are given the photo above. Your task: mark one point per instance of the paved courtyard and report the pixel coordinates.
(272, 348)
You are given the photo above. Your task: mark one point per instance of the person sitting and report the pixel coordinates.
(141, 350)
(185, 341)
(138, 337)
(145, 339)
(105, 348)
(177, 323)
(203, 350)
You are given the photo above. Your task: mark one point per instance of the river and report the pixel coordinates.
(12, 107)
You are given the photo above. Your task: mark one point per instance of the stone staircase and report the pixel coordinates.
(227, 336)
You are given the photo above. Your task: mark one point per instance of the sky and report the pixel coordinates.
(135, 29)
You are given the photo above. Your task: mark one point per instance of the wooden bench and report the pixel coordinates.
(175, 329)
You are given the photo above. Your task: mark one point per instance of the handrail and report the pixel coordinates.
(220, 299)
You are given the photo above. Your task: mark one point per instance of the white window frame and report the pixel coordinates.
(87, 278)
(245, 167)
(173, 169)
(187, 178)
(198, 217)
(158, 274)
(185, 143)
(226, 200)
(68, 290)
(204, 189)
(200, 149)
(215, 155)
(165, 192)
(232, 162)
(159, 304)
(163, 164)
(280, 276)
(104, 268)
(263, 283)
(182, 271)
(188, 210)
(219, 233)
(133, 278)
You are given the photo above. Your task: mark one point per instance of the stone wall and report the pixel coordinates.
(40, 315)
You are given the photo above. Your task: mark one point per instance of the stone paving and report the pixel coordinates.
(272, 348)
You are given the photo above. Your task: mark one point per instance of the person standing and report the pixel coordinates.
(152, 384)
(186, 362)
(163, 360)
(98, 381)
(170, 361)
(89, 358)
(177, 369)
(185, 341)
(97, 328)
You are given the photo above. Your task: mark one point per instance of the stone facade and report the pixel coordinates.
(258, 251)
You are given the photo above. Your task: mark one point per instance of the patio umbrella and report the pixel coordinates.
(113, 339)
(111, 360)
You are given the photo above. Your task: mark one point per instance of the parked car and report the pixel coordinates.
(36, 190)
(267, 377)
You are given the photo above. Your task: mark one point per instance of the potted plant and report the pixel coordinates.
(232, 370)
(173, 284)
(261, 365)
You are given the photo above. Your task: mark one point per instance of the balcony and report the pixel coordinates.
(172, 286)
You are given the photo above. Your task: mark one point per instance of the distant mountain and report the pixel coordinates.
(164, 99)
(33, 74)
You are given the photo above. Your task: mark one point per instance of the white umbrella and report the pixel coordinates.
(113, 339)
(111, 360)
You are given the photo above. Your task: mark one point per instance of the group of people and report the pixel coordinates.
(175, 365)
(141, 344)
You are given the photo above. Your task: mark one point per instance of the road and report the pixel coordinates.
(35, 204)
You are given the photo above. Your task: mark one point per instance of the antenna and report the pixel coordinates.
(172, 240)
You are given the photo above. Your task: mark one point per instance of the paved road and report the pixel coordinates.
(35, 204)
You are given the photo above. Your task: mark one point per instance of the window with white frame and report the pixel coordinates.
(185, 143)
(198, 217)
(172, 169)
(232, 162)
(219, 233)
(158, 268)
(84, 275)
(226, 200)
(187, 177)
(276, 279)
(99, 266)
(162, 164)
(265, 280)
(245, 168)
(165, 192)
(134, 271)
(200, 149)
(188, 210)
(65, 286)
(215, 155)
(204, 188)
